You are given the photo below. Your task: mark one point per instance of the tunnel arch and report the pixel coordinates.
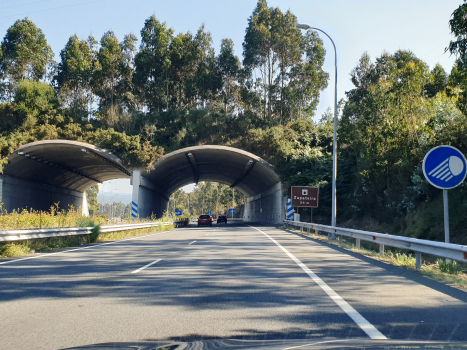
(227, 165)
(42, 173)
(237, 168)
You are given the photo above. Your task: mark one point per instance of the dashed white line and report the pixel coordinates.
(145, 266)
(191, 243)
(207, 234)
(366, 326)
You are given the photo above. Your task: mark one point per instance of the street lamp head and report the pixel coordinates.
(303, 26)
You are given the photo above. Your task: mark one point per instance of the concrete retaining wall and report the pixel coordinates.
(267, 207)
(18, 194)
(146, 195)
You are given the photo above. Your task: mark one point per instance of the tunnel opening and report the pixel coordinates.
(211, 198)
(42, 173)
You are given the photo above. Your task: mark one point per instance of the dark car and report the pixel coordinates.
(222, 218)
(204, 220)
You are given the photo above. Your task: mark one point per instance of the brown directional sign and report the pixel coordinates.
(305, 196)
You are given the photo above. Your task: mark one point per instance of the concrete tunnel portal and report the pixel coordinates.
(42, 173)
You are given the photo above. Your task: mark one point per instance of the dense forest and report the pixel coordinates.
(143, 98)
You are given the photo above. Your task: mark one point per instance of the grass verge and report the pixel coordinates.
(22, 248)
(438, 269)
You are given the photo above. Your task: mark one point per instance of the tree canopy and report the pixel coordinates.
(174, 90)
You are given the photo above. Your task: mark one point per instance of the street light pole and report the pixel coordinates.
(334, 145)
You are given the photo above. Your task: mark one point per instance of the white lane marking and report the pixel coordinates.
(88, 247)
(145, 266)
(207, 234)
(191, 243)
(366, 326)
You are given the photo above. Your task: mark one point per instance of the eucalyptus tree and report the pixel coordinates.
(386, 124)
(25, 54)
(285, 67)
(458, 47)
(108, 73)
(74, 75)
(206, 80)
(438, 81)
(152, 64)
(126, 87)
(229, 69)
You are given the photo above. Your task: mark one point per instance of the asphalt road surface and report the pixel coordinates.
(226, 281)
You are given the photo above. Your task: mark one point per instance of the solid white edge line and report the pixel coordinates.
(191, 243)
(145, 266)
(88, 247)
(366, 326)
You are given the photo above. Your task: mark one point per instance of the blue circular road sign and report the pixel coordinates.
(445, 167)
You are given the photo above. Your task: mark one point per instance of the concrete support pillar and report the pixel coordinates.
(136, 180)
(381, 249)
(84, 206)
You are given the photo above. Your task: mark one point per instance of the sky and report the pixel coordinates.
(356, 26)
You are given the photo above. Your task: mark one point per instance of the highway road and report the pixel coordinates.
(226, 281)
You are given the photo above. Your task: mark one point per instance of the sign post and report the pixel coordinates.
(445, 167)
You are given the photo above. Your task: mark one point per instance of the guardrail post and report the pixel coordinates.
(340, 239)
(418, 260)
(329, 236)
(357, 244)
(381, 249)
(301, 228)
(308, 230)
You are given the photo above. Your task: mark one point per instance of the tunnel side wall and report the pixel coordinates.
(151, 203)
(267, 207)
(21, 194)
(147, 197)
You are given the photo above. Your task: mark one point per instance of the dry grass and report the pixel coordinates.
(54, 218)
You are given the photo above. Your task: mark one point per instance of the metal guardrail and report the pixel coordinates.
(18, 235)
(419, 246)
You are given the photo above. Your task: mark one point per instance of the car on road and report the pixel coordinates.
(222, 218)
(205, 220)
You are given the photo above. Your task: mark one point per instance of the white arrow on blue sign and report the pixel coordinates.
(445, 167)
(209, 212)
(233, 211)
(178, 212)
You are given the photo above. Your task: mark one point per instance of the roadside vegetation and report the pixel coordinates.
(143, 97)
(448, 271)
(53, 218)
(27, 247)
